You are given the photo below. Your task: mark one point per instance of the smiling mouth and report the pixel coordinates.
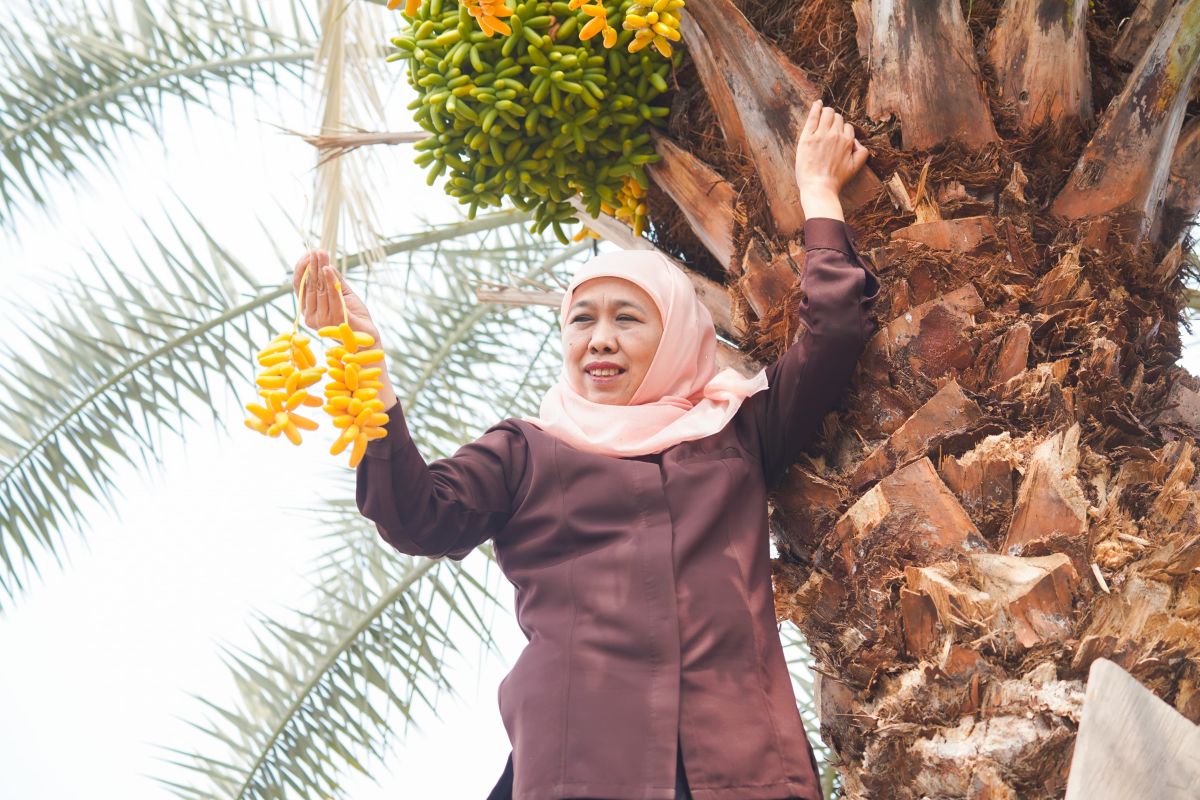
(604, 375)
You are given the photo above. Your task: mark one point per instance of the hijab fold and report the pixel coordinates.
(682, 397)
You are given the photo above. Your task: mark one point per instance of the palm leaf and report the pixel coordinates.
(76, 75)
(124, 358)
(324, 689)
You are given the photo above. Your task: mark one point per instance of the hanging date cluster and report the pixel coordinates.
(351, 396)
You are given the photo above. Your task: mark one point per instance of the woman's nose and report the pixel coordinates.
(603, 339)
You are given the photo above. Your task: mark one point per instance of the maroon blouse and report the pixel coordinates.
(642, 584)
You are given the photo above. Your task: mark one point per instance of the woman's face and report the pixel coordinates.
(612, 332)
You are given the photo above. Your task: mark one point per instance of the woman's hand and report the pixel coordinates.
(322, 307)
(321, 304)
(827, 157)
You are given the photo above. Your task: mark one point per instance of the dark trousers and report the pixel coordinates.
(503, 788)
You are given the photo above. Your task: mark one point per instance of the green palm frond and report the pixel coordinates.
(317, 695)
(461, 362)
(119, 360)
(86, 76)
(800, 662)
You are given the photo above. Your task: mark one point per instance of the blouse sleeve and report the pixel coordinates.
(806, 382)
(446, 507)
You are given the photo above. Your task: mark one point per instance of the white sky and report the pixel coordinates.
(99, 659)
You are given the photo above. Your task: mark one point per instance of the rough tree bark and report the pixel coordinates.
(1183, 186)
(1139, 29)
(923, 70)
(1039, 54)
(1126, 164)
(1009, 490)
(762, 100)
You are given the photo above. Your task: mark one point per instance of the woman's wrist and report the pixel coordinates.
(820, 199)
(387, 394)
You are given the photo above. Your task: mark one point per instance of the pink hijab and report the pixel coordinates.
(683, 396)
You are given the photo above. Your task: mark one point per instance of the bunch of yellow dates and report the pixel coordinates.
(351, 395)
(290, 369)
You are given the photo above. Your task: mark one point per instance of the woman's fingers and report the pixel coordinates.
(323, 297)
(313, 292)
(321, 304)
(315, 258)
(826, 119)
(849, 138)
(859, 155)
(310, 300)
(298, 272)
(813, 119)
(332, 276)
(320, 256)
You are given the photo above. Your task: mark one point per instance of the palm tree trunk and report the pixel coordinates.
(1010, 489)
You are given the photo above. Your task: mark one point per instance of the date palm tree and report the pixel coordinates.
(1009, 491)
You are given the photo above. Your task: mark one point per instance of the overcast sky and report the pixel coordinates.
(99, 659)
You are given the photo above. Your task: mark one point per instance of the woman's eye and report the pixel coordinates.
(588, 318)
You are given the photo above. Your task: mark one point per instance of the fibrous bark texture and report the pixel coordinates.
(1126, 164)
(704, 197)
(1039, 53)
(923, 70)
(1009, 490)
(761, 99)
(1139, 29)
(1183, 186)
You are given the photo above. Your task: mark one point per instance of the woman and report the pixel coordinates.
(631, 516)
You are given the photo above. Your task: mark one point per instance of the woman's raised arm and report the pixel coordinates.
(444, 508)
(806, 382)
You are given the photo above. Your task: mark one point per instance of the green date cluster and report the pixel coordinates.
(537, 116)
